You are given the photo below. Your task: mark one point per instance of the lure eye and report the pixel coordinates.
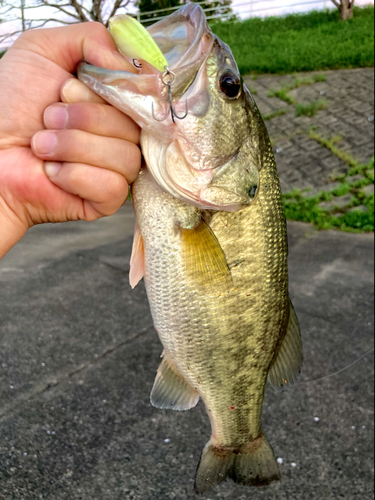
(230, 84)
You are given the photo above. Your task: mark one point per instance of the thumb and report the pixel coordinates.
(69, 45)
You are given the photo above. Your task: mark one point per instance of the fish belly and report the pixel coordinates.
(221, 338)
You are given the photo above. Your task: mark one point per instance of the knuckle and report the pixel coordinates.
(97, 27)
(116, 187)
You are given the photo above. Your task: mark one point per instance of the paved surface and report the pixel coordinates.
(79, 354)
(302, 162)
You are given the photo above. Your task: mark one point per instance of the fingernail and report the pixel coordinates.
(56, 116)
(74, 91)
(52, 168)
(44, 142)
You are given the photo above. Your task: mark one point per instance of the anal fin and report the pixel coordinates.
(171, 391)
(286, 366)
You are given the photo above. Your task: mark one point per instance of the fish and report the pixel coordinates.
(210, 241)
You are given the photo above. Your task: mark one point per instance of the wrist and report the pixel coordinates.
(11, 229)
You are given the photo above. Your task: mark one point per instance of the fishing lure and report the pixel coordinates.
(134, 41)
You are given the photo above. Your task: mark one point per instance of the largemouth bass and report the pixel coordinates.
(210, 241)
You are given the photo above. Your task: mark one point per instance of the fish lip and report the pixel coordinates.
(194, 14)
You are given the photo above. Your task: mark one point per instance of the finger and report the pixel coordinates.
(76, 146)
(98, 119)
(75, 91)
(70, 45)
(106, 190)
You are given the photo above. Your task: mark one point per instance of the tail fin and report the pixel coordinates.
(253, 465)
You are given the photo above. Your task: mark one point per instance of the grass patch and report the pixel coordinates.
(299, 206)
(1, 54)
(283, 93)
(331, 144)
(280, 112)
(311, 109)
(301, 42)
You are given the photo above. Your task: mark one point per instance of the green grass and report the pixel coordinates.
(283, 93)
(299, 206)
(311, 109)
(301, 42)
(280, 112)
(331, 144)
(1, 54)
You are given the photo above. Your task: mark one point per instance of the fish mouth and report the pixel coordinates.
(186, 42)
(183, 37)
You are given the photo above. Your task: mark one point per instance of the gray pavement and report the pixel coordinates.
(302, 162)
(79, 354)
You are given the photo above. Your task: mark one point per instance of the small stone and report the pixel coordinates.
(317, 419)
(293, 464)
(371, 118)
(331, 186)
(354, 178)
(360, 208)
(280, 461)
(167, 441)
(363, 427)
(43, 365)
(279, 150)
(368, 190)
(311, 193)
(354, 427)
(340, 201)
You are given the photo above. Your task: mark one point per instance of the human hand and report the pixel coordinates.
(95, 154)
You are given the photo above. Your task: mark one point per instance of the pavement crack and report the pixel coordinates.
(44, 387)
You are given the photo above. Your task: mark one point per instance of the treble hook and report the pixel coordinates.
(168, 79)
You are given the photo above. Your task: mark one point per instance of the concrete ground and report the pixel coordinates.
(301, 161)
(79, 354)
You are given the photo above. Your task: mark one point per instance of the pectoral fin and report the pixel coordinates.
(204, 260)
(137, 260)
(286, 367)
(171, 391)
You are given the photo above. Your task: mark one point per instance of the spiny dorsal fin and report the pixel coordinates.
(286, 367)
(171, 391)
(137, 260)
(204, 259)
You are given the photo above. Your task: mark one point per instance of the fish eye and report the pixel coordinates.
(230, 84)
